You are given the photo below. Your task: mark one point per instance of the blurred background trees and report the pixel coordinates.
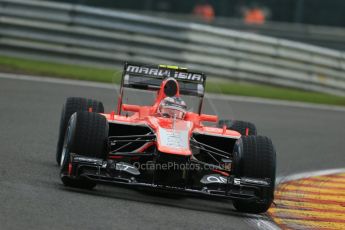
(315, 12)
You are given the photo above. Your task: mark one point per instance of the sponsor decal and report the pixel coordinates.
(87, 160)
(237, 181)
(255, 181)
(165, 72)
(122, 166)
(173, 138)
(213, 179)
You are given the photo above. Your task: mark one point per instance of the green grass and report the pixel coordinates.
(270, 92)
(19, 65)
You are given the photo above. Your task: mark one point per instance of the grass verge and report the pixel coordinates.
(19, 65)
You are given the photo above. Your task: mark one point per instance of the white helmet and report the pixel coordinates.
(173, 107)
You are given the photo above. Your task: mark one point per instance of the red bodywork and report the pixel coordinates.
(173, 135)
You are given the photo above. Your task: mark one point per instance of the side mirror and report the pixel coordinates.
(131, 108)
(208, 118)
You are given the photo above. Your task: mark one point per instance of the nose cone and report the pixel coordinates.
(173, 136)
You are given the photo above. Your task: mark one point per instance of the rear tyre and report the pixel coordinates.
(86, 135)
(72, 105)
(239, 126)
(255, 157)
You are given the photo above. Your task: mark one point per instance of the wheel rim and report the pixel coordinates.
(65, 149)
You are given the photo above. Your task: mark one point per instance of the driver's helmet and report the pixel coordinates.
(173, 107)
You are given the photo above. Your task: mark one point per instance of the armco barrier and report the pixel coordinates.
(79, 34)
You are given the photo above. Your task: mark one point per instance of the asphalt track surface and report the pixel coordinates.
(33, 197)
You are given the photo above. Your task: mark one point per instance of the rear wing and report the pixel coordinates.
(150, 77)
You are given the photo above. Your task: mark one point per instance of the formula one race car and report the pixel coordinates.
(160, 141)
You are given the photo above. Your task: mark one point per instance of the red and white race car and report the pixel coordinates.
(161, 142)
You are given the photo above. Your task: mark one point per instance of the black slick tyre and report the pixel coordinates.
(86, 135)
(255, 157)
(72, 105)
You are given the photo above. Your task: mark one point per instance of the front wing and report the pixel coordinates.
(123, 174)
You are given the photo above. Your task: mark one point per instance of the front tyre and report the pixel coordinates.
(255, 157)
(86, 135)
(72, 105)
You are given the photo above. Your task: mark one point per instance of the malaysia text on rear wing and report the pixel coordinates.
(150, 77)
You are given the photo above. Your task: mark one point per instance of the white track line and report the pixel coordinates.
(304, 175)
(57, 81)
(260, 223)
(257, 100)
(208, 95)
